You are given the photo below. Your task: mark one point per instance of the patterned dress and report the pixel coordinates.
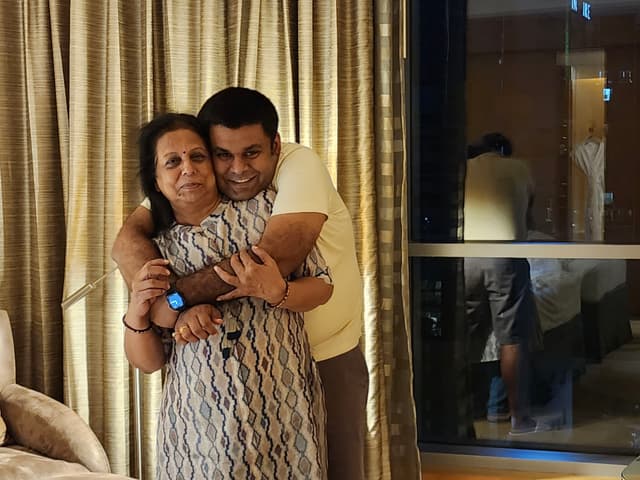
(246, 403)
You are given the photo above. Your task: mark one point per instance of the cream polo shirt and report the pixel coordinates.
(496, 198)
(304, 185)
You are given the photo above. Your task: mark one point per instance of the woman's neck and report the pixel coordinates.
(195, 214)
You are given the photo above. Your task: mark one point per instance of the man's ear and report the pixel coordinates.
(276, 145)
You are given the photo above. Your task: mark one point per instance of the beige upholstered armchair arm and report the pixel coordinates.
(7, 362)
(51, 428)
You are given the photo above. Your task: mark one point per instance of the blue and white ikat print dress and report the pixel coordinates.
(246, 403)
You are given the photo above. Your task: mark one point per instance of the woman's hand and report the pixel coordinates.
(252, 279)
(150, 282)
(197, 323)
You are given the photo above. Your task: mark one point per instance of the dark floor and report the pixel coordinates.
(600, 407)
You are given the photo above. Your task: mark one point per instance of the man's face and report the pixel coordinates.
(244, 159)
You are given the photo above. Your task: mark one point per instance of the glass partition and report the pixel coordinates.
(580, 382)
(523, 130)
(557, 78)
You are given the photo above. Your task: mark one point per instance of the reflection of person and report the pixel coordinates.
(249, 156)
(498, 293)
(590, 157)
(247, 403)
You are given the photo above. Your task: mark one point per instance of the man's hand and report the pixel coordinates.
(197, 323)
(252, 279)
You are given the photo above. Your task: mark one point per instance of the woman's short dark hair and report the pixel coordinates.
(150, 133)
(235, 107)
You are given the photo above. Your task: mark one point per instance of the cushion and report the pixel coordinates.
(3, 431)
(46, 426)
(19, 463)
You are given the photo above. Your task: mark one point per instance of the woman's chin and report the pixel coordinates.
(195, 199)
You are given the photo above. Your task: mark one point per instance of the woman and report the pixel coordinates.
(246, 403)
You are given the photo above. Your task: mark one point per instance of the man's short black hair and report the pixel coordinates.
(236, 107)
(491, 142)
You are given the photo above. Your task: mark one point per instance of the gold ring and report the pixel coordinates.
(183, 329)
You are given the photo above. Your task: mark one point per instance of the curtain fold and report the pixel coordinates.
(88, 74)
(391, 407)
(107, 104)
(33, 228)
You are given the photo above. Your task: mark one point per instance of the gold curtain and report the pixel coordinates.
(87, 74)
(109, 99)
(388, 336)
(32, 221)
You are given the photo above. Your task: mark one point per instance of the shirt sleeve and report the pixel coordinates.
(303, 184)
(314, 266)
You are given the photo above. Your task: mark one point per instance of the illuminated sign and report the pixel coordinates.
(585, 11)
(606, 94)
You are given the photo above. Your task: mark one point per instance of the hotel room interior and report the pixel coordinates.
(389, 93)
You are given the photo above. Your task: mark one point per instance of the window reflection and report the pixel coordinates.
(557, 78)
(582, 379)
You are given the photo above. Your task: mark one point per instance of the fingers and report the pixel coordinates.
(152, 276)
(185, 332)
(180, 340)
(197, 323)
(215, 313)
(263, 255)
(158, 271)
(211, 321)
(196, 329)
(155, 268)
(226, 276)
(246, 259)
(235, 293)
(205, 322)
(236, 264)
(149, 289)
(152, 283)
(185, 335)
(149, 294)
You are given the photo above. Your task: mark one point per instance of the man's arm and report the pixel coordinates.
(133, 246)
(288, 238)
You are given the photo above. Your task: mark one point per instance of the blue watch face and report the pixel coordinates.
(176, 302)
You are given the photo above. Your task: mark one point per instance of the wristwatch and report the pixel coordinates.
(175, 300)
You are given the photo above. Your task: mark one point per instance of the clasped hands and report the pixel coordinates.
(249, 278)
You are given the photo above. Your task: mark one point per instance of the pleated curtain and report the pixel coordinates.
(80, 77)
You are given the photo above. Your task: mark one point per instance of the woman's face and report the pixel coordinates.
(184, 172)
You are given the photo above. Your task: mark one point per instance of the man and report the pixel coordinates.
(248, 156)
(498, 292)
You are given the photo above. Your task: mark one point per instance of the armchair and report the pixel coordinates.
(48, 440)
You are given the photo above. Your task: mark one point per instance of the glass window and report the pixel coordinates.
(524, 128)
(578, 380)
